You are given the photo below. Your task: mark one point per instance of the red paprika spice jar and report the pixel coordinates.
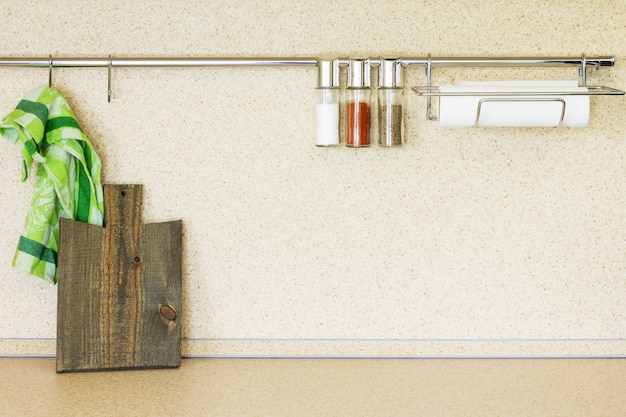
(357, 104)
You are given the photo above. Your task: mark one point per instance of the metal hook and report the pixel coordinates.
(109, 79)
(50, 72)
(582, 71)
(429, 66)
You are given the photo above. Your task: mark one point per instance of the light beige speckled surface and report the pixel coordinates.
(451, 388)
(479, 242)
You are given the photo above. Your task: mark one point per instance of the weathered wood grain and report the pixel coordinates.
(119, 291)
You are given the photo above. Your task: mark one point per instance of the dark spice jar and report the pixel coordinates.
(357, 104)
(390, 103)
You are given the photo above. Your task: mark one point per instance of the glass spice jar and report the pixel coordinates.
(327, 107)
(390, 103)
(357, 102)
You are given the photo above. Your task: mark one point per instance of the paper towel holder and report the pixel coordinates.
(430, 91)
(515, 100)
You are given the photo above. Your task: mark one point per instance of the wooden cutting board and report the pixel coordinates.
(119, 289)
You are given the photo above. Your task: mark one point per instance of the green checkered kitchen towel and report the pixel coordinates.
(67, 183)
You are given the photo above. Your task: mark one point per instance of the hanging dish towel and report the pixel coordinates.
(67, 182)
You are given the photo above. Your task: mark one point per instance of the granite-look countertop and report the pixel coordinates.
(277, 387)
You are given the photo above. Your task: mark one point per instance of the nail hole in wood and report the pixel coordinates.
(137, 259)
(123, 193)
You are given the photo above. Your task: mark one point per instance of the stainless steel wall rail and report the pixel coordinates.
(138, 62)
(109, 62)
(154, 62)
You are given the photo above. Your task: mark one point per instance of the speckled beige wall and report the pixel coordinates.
(465, 242)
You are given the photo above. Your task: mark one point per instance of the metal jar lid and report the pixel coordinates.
(328, 73)
(390, 74)
(359, 73)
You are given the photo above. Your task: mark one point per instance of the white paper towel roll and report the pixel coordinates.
(502, 110)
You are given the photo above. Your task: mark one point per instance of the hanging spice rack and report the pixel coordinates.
(582, 62)
(429, 62)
